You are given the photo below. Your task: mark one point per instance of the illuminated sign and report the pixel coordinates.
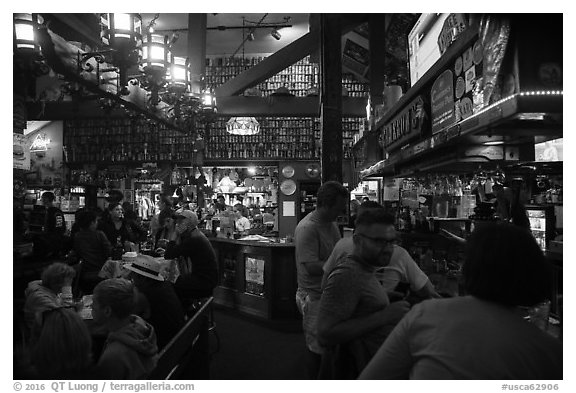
(40, 143)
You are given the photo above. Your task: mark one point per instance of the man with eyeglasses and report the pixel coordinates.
(401, 269)
(355, 315)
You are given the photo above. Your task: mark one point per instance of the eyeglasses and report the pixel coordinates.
(378, 240)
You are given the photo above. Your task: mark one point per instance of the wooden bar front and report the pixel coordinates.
(256, 278)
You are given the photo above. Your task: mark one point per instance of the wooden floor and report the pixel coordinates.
(255, 350)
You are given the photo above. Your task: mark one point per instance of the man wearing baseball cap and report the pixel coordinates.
(196, 259)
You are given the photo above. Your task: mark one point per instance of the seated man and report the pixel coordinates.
(46, 294)
(197, 259)
(130, 351)
(93, 248)
(481, 335)
(158, 303)
(401, 269)
(355, 314)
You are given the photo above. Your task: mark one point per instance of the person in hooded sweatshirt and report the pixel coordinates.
(130, 351)
(46, 293)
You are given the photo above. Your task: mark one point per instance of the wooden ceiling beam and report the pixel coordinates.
(227, 107)
(283, 58)
(270, 66)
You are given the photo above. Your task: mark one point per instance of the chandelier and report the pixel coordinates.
(243, 126)
(133, 68)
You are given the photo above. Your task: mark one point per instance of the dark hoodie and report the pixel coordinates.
(38, 299)
(130, 352)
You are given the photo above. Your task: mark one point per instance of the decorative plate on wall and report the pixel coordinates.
(313, 170)
(288, 171)
(288, 187)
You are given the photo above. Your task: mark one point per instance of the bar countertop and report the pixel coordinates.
(275, 243)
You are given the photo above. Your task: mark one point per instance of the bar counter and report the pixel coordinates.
(256, 278)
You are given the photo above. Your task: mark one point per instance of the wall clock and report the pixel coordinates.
(288, 187)
(313, 170)
(288, 171)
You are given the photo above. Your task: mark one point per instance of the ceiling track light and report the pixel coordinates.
(251, 36)
(276, 34)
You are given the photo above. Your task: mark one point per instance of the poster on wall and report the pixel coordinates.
(254, 268)
(21, 152)
(391, 190)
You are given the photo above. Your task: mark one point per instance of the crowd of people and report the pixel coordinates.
(355, 323)
(138, 313)
(356, 326)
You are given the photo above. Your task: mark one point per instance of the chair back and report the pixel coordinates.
(187, 355)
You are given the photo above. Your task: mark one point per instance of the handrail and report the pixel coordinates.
(178, 352)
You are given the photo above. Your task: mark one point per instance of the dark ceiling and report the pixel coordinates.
(225, 34)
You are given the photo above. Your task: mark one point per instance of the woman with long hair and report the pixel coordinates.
(64, 347)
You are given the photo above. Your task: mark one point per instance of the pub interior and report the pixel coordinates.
(144, 143)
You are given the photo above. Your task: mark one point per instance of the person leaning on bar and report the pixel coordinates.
(482, 335)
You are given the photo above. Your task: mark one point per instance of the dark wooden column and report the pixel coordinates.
(331, 97)
(377, 26)
(197, 49)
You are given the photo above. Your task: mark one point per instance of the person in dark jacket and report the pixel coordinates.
(158, 303)
(130, 351)
(93, 248)
(197, 259)
(52, 238)
(118, 229)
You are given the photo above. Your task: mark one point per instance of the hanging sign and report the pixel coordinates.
(454, 25)
(409, 123)
(442, 101)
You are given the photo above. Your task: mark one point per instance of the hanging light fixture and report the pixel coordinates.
(28, 61)
(122, 33)
(276, 34)
(156, 59)
(156, 55)
(208, 101)
(243, 126)
(178, 76)
(25, 26)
